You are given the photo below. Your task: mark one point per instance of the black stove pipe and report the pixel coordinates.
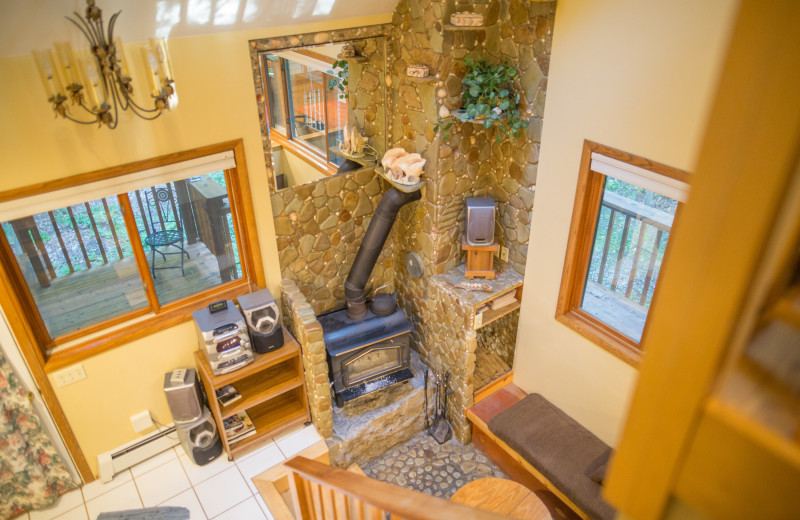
(377, 232)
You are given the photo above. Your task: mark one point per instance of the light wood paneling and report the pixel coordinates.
(747, 161)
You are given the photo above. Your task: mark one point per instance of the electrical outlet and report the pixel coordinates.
(504, 254)
(70, 375)
(141, 421)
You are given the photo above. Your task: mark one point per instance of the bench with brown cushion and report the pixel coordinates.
(538, 444)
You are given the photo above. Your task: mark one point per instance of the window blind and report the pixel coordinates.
(641, 177)
(73, 195)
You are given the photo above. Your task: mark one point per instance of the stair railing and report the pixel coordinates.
(326, 492)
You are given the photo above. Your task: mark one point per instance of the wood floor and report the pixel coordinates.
(614, 309)
(91, 296)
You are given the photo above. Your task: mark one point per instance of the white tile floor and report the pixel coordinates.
(221, 490)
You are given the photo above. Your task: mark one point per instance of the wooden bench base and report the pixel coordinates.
(510, 461)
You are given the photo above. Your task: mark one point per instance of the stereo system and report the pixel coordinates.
(194, 423)
(261, 314)
(479, 228)
(223, 338)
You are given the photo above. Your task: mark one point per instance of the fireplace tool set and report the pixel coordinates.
(437, 425)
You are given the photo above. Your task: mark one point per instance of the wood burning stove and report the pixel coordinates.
(366, 355)
(367, 350)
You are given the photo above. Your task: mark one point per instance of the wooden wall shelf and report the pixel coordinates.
(272, 389)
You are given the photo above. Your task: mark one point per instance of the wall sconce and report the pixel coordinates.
(97, 81)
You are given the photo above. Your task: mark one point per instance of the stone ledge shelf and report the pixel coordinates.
(423, 79)
(506, 281)
(451, 27)
(357, 58)
(405, 188)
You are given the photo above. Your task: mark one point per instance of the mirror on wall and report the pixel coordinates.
(324, 109)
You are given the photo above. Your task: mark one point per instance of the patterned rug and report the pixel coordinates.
(424, 465)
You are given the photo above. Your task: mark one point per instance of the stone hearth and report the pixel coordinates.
(370, 425)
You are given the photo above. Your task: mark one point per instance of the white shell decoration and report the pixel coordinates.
(443, 112)
(353, 143)
(403, 167)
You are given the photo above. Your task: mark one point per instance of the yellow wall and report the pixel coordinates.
(635, 75)
(297, 170)
(217, 103)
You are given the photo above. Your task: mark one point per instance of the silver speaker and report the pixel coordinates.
(262, 316)
(480, 221)
(183, 395)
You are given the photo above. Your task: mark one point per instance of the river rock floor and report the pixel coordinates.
(424, 465)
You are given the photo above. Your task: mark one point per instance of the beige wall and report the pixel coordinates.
(635, 75)
(217, 103)
(297, 170)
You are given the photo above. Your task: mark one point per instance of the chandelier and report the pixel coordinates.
(95, 85)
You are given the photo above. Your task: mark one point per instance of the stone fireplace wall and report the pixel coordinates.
(320, 226)
(469, 163)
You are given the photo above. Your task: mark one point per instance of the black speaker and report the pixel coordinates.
(480, 221)
(200, 439)
(263, 320)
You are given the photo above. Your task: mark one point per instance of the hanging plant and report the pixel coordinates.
(488, 96)
(339, 79)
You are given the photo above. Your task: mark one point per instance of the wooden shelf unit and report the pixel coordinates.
(272, 389)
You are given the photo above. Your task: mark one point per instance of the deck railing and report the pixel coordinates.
(637, 280)
(91, 235)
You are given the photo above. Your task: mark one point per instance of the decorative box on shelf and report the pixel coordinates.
(417, 71)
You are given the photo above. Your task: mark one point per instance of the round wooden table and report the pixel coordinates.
(502, 496)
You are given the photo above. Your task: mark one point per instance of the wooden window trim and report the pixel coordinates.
(302, 152)
(588, 196)
(308, 154)
(161, 316)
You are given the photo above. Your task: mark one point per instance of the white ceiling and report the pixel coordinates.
(26, 25)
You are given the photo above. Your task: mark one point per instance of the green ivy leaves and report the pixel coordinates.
(340, 71)
(488, 95)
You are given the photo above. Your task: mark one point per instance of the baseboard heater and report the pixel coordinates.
(136, 451)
